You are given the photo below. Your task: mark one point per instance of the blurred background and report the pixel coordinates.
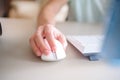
(91, 11)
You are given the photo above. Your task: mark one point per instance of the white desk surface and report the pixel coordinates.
(17, 61)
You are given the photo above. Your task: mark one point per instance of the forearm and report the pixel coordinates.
(49, 10)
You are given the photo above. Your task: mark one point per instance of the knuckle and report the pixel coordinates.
(47, 32)
(37, 34)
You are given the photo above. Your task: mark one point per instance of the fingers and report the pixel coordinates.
(50, 37)
(34, 47)
(38, 43)
(51, 42)
(41, 43)
(63, 40)
(53, 35)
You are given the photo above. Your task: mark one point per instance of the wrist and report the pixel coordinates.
(43, 20)
(46, 24)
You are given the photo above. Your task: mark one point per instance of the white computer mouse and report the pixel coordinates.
(55, 56)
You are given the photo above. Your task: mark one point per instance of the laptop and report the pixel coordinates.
(110, 49)
(89, 46)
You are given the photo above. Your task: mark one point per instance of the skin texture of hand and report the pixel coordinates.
(50, 33)
(46, 29)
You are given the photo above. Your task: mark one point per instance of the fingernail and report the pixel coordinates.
(47, 52)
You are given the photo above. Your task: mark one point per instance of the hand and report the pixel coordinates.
(50, 33)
